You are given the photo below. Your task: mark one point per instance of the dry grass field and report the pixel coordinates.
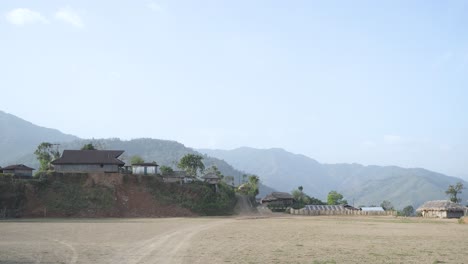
(234, 240)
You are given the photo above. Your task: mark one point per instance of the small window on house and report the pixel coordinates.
(102, 165)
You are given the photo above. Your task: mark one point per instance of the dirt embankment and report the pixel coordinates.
(100, 195)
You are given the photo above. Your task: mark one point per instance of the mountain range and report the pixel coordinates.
(360, 185)
(277, 168)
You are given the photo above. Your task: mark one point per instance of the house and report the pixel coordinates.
(176, 176)
(145, 168)
(211, 178)
(372, 209)
(18, 170)
(441, 209)
(89, 161)
(345, 207)
(278, 199)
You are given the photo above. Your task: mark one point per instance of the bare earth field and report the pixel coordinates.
(285, 239)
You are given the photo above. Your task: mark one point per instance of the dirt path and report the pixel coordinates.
(244, 206)
(168, 247)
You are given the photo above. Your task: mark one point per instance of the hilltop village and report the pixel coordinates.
(99, 167)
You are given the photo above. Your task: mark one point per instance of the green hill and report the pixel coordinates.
(17, 136)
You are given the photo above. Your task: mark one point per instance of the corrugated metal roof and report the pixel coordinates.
(372, 209)
(90, 157)
(278, 196)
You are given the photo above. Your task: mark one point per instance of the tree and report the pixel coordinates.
(191, 164)
(253, 182)
(45, 153)
(408, 210)
(88, 146)
(251, 186)
(316, 201)
(453, 191)
(387, 205)
(136, 159)
(166, 170)
(301, 199)
(335, 198)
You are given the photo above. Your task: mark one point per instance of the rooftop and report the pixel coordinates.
(90, 157)
(146, 164)
(17, 167)
(441, 205)
(278, 195)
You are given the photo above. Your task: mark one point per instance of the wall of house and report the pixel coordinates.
(19, 172)
(434, 214)
(141, 170)
(455, 214)
(86, 168)
(286, 202)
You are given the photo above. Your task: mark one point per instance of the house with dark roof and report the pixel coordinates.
(211, 178)
(18, 170)
(278, 199)
(145, 168)
(89, 161)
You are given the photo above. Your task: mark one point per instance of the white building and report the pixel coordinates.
(145, 168)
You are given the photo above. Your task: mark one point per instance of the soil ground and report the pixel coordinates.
(242, 239)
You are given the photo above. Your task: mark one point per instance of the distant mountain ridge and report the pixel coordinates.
(363, 185)
(18, 135)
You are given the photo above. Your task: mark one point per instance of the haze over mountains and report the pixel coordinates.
(18, 135)
(277, 168)
(363, 185)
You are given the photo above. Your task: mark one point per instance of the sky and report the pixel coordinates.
(371, 82)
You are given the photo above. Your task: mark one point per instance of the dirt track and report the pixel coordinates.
(244, 239)
(101, 241)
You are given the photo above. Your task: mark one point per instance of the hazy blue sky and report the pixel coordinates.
(374, 82)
